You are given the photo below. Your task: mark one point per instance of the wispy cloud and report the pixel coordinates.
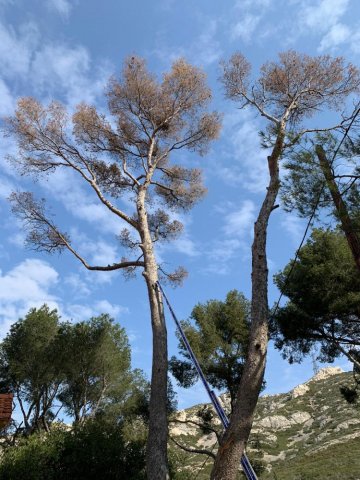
(16, 48)
(7, 102)
(321, 15)
(6, 187)
(79, 312)
(32, 283)
(68, 70)
(337, 35)
(293, 226)
(246, 4)
(234, 236)
(249, 14)
(63, 7)
(245, 27)
(49, 66)
(324, 19)
(244, 161)
(203, 51)
(28, 284)
(64, 186)
(239, 222)
(77, 285)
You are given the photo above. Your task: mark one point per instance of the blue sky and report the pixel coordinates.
(66, 50)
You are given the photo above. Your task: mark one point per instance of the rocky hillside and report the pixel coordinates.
(308, 433)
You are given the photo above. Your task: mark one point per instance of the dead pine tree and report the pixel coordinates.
(287, 92)
(127, 154)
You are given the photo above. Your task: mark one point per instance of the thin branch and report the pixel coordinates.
(197, 424)
(262, 112)
(194, 450)
(106, 268)
(124, 165)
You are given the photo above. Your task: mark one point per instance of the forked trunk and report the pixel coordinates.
(156, 451)
(234, 440)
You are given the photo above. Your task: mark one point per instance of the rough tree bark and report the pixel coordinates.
(233, 442)
(156, 451)
(286, 92)
(341, 208)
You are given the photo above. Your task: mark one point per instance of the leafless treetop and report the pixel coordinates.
(297, 85)
(127, 152)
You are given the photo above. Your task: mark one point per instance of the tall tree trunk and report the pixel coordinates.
(156, 452)
(234, 440)
(341, 208)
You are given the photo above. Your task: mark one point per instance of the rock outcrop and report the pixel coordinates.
(311, 421)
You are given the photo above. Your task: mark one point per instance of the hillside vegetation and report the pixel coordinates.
(309, 433)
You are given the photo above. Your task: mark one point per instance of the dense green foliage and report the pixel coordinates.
(29, 365)
(84, 366)
(324, 297)
(218, 334)
(94, 450)
(95, 361)
(304, 186)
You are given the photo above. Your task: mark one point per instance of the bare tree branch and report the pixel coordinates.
(193, 450)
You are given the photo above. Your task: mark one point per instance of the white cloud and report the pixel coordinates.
(101, 252)
(248, 164)
(6, 187)
(30, 280)
(49, 67)
(104, 306)
(337, 35)
(323, 18)
(246, 4)
(245, 28)
(208, 49)
(66, 187)
(186, 245)
(355, 40)
(16, 49)
(7, 101)
(203, 51)
(220, 253)
(322, 15)
(77, 284)
(248, 15)
(28, 284)
(96, 252)
(67, 69)
(239, 222)
(236, 232)
(79, 312)
(63, 7)
(294, 226)
(17, 239)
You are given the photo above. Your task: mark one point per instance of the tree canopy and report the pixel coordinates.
(218, 332)
(83, 366)
(324, 297)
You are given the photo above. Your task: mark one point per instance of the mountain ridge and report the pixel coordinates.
(310, 432)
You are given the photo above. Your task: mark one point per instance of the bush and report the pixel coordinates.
(93, 451)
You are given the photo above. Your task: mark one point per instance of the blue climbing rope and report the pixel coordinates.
(245, 463)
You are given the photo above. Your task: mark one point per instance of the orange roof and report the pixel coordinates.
(6, 406)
